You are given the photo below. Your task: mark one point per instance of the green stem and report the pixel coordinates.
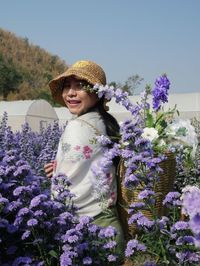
(42, 254)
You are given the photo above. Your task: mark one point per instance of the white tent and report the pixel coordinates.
(36, 113)
(188, 104)
(63, 114)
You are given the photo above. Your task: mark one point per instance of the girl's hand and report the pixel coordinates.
(49, 168)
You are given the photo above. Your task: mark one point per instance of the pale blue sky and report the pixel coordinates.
(126, 37)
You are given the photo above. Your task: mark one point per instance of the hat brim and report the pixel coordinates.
(56, 84)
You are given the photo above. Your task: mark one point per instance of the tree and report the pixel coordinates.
(9, 77)
(132, 84)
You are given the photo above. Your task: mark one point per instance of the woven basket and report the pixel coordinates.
(127, 196)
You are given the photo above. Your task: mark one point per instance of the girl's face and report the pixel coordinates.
(77, 100)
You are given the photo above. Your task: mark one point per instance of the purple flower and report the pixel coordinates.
(37, 200)
(22, 260)
(172, 198)
(160, 92)
(107, 232)
(112, 258)
(133, 246)
(26, 234)
(110, 244)
(179, 226)
(87, 261)
(23, 211)
(32, 222)
(195, 224)
(182, 240)
(145, 194)
(65, 259)
(188, 256)
(85, 220)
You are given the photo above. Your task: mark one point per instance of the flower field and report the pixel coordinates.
(37, 229)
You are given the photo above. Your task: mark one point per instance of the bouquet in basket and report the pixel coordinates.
(149, 208)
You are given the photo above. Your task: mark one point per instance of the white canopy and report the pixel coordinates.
(36, 113)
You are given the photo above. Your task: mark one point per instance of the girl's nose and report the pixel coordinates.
(72, 91)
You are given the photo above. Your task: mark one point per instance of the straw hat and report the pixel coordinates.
(83, 70)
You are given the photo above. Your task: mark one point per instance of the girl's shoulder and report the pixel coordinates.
(87, 122)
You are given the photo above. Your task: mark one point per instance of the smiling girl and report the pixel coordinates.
(78, 153)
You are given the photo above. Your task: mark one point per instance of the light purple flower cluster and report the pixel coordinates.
(191, 207)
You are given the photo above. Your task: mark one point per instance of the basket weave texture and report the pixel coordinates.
(127, 196)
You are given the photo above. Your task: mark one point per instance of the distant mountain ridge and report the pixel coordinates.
(26, 69)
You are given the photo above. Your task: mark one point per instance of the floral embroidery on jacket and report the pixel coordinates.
(77, 152)
(66, 147)
(87, 152)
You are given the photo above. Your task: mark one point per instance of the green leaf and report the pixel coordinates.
(53, 254)
(149, 120)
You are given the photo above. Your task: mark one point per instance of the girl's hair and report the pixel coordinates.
(111, 124)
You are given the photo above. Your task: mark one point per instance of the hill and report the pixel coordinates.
(26, 69)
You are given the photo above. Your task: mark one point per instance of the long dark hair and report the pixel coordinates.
(111, 124)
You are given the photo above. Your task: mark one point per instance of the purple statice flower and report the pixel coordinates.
(71, 236)
(141, 220)
(14, 205)
(172, 199)
(93, 228)
(20, 189)
(37, 200)
(182, 240)
(188, 256)
(110, 244)
(144, 222)
(65, 259)
(23, 211)
(32, 222)
(26, 234)
(87, 261)
(103, 140)
(22, 260)
(162, 223)
(160, 92)
(179, 226)
(104, 91)
(85, 220)
(107, 232)
(133, 246)
(145, 194)
(131, 181)
(135, 206)
(112, 258)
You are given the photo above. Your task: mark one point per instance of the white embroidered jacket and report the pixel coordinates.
(77, 154)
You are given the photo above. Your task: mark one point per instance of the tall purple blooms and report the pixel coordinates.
(33, 224)
(160, 92)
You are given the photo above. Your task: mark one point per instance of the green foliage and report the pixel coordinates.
(26, 69)
(9, 77)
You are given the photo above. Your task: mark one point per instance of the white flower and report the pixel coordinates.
(182, 132)
(150, 133)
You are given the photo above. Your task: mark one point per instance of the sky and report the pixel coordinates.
(125, 37)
